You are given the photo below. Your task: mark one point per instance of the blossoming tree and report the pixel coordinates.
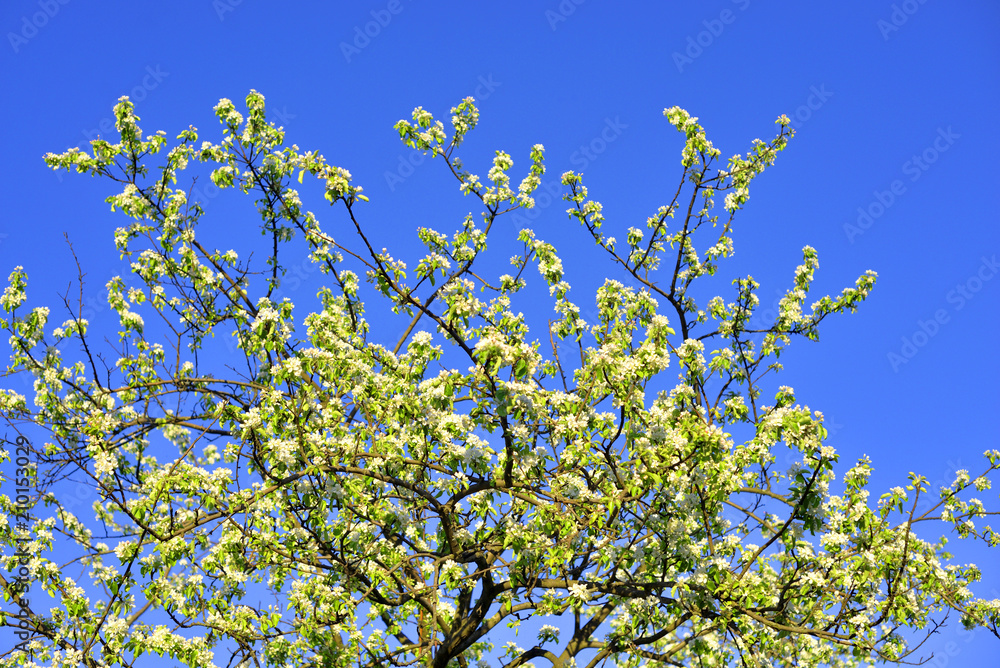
(348, 500)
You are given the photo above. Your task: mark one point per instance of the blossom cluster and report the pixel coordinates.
(400, 498)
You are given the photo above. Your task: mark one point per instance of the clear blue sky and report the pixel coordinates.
(895, 105)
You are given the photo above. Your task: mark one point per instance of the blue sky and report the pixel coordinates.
(894, 106)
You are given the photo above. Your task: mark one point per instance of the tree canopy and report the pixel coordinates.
(352, 497)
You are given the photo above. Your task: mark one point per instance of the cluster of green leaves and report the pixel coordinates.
(399, 510)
